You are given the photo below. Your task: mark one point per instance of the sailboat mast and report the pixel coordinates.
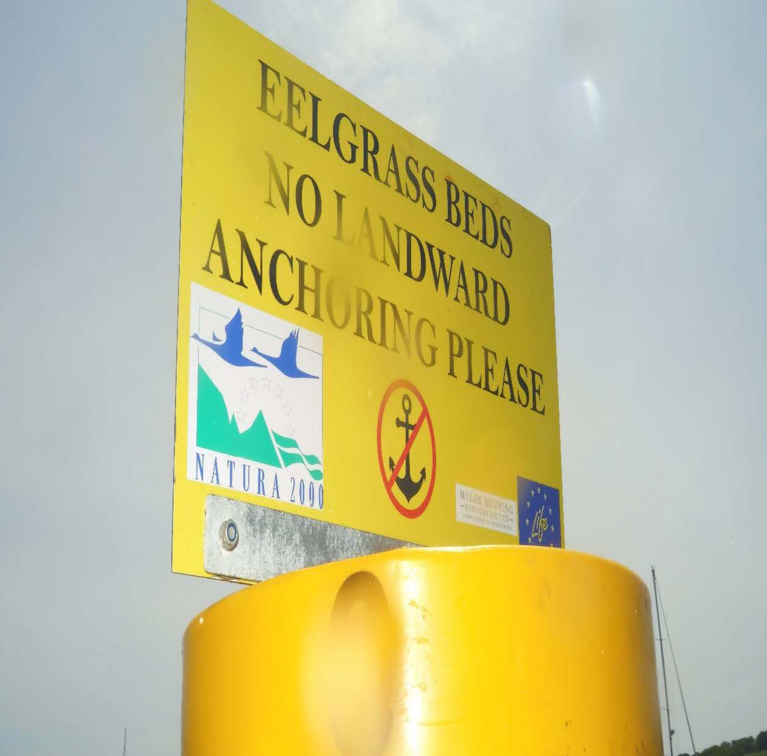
(663, 664)
(676, 669)
(125, 741)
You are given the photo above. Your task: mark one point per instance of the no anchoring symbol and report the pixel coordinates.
(398, 469)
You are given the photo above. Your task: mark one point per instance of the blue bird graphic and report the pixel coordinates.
(285, 362)
(230, 349)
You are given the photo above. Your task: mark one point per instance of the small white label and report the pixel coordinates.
(485, 510)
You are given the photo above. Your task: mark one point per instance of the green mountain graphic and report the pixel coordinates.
(217, 431)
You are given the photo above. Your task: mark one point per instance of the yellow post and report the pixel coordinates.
(488, 650)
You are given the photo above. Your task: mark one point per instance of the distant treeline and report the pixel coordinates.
(740, 747)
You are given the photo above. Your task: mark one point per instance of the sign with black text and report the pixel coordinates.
(366, 329)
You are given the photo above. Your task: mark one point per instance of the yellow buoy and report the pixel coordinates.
(487, 650)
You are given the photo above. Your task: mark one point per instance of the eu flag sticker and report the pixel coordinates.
(539, 523)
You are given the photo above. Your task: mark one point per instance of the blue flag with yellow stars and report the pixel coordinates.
(539, 523)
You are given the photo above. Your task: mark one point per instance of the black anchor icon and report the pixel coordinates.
(405, 483)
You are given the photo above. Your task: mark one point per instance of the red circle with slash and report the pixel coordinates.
(423, 419)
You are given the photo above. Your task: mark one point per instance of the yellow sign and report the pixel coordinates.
(365, 329)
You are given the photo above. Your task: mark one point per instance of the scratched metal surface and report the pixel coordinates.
(272, 542)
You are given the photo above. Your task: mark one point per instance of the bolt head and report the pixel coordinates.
(229, 534)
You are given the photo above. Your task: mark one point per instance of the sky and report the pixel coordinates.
(637, 130)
